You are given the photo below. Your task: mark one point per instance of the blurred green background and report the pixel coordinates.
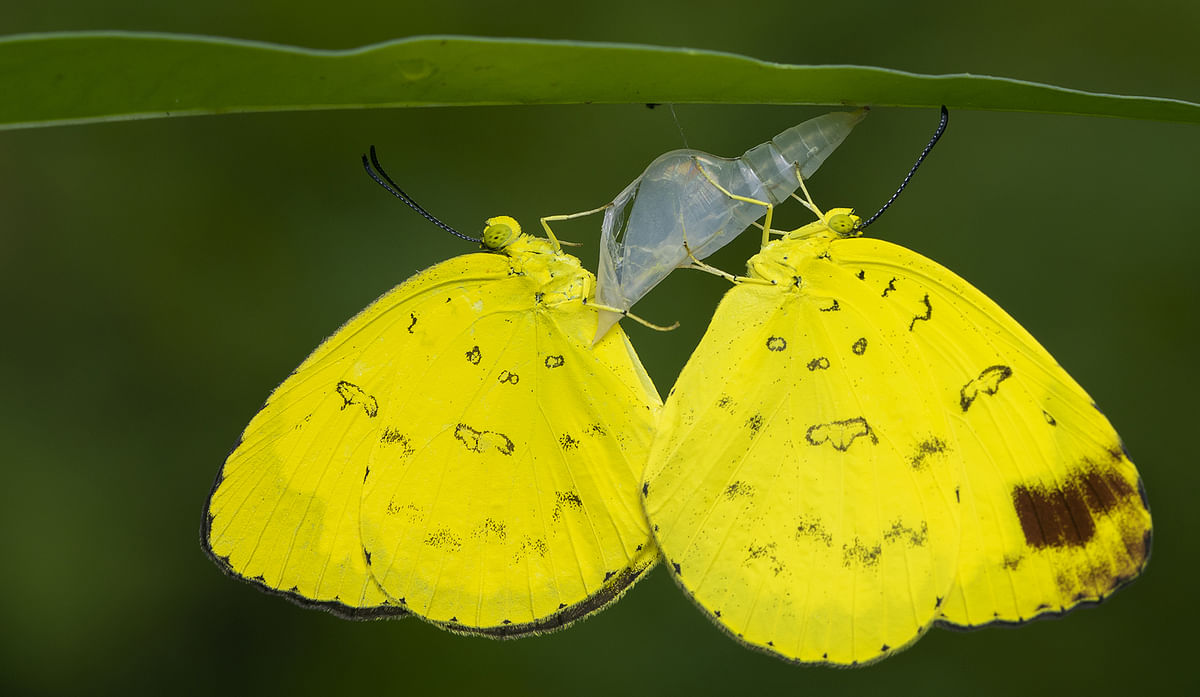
(159, 278)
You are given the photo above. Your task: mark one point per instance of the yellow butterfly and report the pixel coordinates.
(864, 445)
(458, 451)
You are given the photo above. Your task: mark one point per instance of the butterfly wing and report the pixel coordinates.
(381, 399)
(284, 511)
(797, 485)
(501, 493)
(1054, 514)
(920, 459)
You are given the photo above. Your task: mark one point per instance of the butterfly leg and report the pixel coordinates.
(630, 315)
(571, 216)
(709, 268)
(701, 266)
(766, 204)
(762, 227)
(807, 200)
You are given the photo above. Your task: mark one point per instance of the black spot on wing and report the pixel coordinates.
(860, 554)
(925, 449)
(819, 363)
(764, 555)
(861, 275)
(392, 438)
(908, 536)
(478, 441)
(410, 510)
(563, 501)
(922, 318)
(832, 308)
(532, 546)
(860, 346)
(444, 540)
(490, 529)
(554, 361)
(776, 343)
(474, 355)
(890, 287)
(353, 394)
(811, 527)
(754, 423)
(840, 434)
(510, 378)
(566, 442)
(988, 382)
(1049, 419)
(738, 489)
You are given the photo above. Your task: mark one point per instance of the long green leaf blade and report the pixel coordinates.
(54, 79)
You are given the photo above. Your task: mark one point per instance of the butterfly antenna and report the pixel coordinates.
(924, 153)
(381, 178)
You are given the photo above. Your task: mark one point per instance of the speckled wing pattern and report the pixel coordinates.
(1054, 514)
(871, 446)
(457, 451)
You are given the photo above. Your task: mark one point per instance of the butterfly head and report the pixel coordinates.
(843, 222)
(500, 231)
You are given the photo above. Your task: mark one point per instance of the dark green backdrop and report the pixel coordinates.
(158, 278)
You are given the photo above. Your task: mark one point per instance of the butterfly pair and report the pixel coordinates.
(862, 446)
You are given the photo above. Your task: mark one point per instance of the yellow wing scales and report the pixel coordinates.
(791, 512)
(1054, 514)
(870, 446)
(531, 424)
(457, 450)
(284, 511)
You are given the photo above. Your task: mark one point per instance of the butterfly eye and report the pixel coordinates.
(500, 231)
(842, 223)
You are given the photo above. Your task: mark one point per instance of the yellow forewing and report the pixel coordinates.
(457, 450)
(1053, 510)
(869, 446)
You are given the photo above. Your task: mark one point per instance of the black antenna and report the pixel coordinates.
(386, 182)
(924, 153)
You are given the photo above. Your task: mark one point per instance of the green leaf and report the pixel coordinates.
(54, 79)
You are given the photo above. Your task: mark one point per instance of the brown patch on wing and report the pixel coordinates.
(1066, 515)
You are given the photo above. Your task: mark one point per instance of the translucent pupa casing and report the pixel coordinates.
(644, 229)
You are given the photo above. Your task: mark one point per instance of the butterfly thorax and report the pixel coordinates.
(555, 277)
(780, 261)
